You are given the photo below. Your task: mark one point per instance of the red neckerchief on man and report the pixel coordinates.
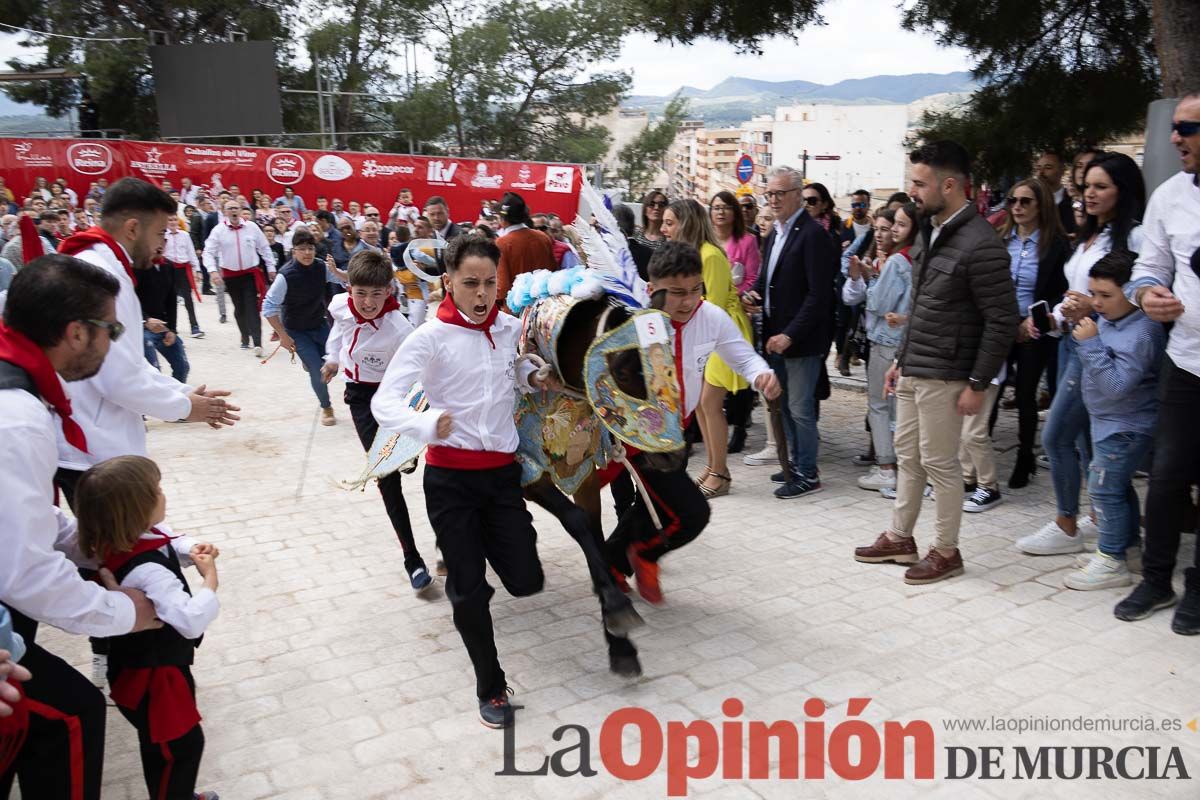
(18, 350)
(448, 312)
(78, 242)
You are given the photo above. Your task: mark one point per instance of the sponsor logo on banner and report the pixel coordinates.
(481, 179)
(560, 180)
(226, 157)
(441, 175)
(524, 179)
(89, 158)
(285, 168)
(332, 168)
(371, 168)
(28, 158)
(153, 164)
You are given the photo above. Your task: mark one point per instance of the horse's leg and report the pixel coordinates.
(619, 614)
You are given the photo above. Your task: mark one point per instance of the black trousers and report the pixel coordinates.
(682, 509)
(170, 768)
(63, 754)
(358, 397)
(1169, 509)
(1032, 358)
(244, 293)
(738, 406)
(183, 288)
(480, 518)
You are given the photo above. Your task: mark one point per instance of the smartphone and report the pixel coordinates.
(1040, 311)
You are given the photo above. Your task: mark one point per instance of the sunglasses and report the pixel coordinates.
(858, 205)
(1019, 201)
(115, 329)
(748, 205)
(1186, 128)
(658, 204)
(811, 201)
(372, 215)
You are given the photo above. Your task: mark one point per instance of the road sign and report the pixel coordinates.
(826, 158)
(745, 169)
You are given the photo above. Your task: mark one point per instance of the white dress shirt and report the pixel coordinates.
(363, 350)
(109, 406)
(188, 614)
(178, 249)
(38, 569)
(237, 249)
(710, 330)
(1084, 258)
(463, 375)
(1172, 235)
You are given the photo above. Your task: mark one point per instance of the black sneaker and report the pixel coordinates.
(421, 580)
(969, 488)
(1187, 616)
(800, 487)
(781, 477)
(197, 333)
(982, 499)
(1144, 601)
(223, 320)
(245, 346)
(495, 711)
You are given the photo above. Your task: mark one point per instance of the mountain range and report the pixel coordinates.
(736, 99)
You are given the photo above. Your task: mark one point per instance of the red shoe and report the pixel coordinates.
(646, 573)
(274, 337)
(619, 579)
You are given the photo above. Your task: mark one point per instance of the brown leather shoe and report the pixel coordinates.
(934, 567)
(884, 549)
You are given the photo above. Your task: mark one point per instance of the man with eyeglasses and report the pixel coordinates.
(60, 324)
(1050, 169)
(749, 209)
(284, 213)
(1166, 285)
(794, 292)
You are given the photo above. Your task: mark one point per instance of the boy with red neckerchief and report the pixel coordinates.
(466, 360)
(699, 329)
(368, 328)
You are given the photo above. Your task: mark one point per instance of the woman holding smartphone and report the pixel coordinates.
(1114, 197)
(1038, 247)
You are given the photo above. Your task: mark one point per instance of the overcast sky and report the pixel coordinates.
(862, 38)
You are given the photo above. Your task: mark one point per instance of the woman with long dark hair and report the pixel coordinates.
(741, 247)
(654, 205)
(819, 204)
(1038, 247)
(1114, 197)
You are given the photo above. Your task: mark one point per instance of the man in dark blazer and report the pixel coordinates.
(795, 292)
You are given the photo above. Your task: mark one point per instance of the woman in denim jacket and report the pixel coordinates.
(888, 294)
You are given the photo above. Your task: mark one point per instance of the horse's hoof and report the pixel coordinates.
(625, 666)
(619, 622)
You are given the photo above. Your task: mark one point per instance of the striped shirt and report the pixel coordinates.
(1120, 375)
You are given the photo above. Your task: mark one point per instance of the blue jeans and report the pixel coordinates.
(153, 344)
(310, 346)
(1110, 486)
(799, 377)
(1065, 434)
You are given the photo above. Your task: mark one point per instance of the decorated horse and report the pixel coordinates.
(595, 328)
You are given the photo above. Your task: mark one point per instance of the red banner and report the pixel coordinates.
(369, 178)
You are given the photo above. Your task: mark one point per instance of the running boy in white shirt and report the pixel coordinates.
(699, 329)
(466, 359)
(368, 327)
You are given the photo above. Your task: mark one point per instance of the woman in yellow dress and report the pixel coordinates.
(687, 221)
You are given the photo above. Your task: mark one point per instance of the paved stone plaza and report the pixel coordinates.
(324, 677)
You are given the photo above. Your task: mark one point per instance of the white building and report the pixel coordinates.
(849, 147)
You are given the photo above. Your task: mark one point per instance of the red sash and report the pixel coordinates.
(191, 278)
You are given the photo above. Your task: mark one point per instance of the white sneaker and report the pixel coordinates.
(258, 352)
(763, 457)
(1086, 528)
(99, 670)
(878, 479)
(1050, 541)
(1133, 559)
(889, 492)
(1101, 572)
